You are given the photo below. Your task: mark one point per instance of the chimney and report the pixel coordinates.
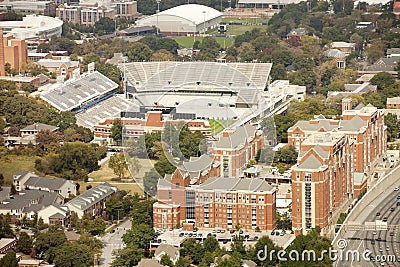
(2, 61)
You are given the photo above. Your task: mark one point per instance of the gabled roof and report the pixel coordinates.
(57, 216)
(92, 196)
(171, 251)
(311, 126)
(197, 164)
(39, 127)
(50, 183)
(149, 263)
(320, 151)
(311, 162)
(237, 138)
(353, 125)
(335, 53)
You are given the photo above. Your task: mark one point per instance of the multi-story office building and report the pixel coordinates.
(87, 13)
(334, 156)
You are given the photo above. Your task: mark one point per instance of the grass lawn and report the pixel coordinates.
(239, 29)
(188, 41)
(216, 126)
(131, 187)
(254, 21)
(10, 165)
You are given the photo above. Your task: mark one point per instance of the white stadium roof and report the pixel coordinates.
(197, 86)
(109, 108)
(192, 12)
(78, 92)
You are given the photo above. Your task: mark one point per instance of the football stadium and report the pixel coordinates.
(210, 90)
(203, 90)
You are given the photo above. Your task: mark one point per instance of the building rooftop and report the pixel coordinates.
(310, 163)
(40, 127)
(355, 124)
(325, 138)
(236, 184)
(192, 12)
(236, 138)
(6, 241)
(92, 196)
(166, 249)
(78, 92)
(50, 183)
(315, 125)
(343, 45)
(197, 164)
(393, 100)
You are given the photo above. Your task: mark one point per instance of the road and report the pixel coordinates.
(388, 248)
(113, 241)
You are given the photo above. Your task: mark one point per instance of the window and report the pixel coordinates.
(307, 177)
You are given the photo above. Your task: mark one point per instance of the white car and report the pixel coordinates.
(396, 188)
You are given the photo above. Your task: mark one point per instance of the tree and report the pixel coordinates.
(9, 260)
(43, 48)
(166, 261)
(261, 245)
(73, 254)
(182, 262)
(311, 241)
(193, 249)
(127, 257)
(118, 164)
(287, 154)
(383, 80)
(47, 243)
(138, 52)
(392, 124)
(238, 246)
(345, 7)
(94, 244)
(104, 25)
(162, 55)
(150, 181)
(210, 244)
(140, 236)
(116, 131)
(24, 243)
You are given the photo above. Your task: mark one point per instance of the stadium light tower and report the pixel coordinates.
(158, 11)
(204, 24)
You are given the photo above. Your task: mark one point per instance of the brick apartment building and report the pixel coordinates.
(152, 122)
(334, 156)
(234, 148)
(199, 193)
(217, 203)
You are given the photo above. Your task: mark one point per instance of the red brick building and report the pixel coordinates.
(235, 148)
(154, 121)
(333, 157)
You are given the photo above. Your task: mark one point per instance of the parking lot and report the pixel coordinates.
(176, 237)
